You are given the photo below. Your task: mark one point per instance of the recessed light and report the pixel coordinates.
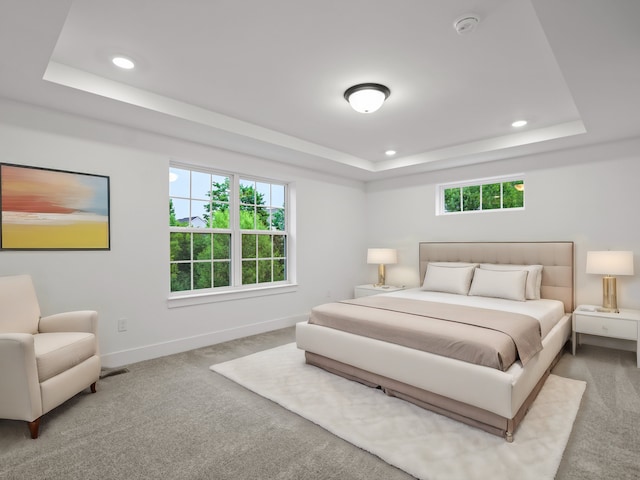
(123, 62)
(519, 123)
(390, 153)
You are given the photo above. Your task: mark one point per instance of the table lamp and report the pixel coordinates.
(382, 256)
(610, 263)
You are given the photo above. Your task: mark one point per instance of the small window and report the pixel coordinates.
(499, 193)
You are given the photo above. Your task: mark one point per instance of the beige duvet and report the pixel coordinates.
(486, 337)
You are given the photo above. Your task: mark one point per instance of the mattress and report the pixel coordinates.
(475, 333)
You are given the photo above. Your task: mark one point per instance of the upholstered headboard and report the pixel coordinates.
(556, 258)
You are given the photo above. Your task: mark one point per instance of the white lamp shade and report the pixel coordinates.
(610, 263)
(367, 100)
(382, 256)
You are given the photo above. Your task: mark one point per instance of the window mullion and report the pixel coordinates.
(191, 263)
(236, 235)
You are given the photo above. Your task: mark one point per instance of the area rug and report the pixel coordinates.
(424, 444)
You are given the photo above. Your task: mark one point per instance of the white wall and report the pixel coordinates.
(589, 195)
(131, 280)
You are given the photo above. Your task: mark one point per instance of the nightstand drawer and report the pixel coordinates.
(607, 327)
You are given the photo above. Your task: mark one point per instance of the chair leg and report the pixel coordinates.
(34, 427)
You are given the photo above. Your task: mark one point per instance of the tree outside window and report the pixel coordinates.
(202, 208)
(481, 196)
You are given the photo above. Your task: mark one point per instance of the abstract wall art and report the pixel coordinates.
(45, 209)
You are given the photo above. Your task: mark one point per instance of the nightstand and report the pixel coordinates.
(624, 325)
(370, 289)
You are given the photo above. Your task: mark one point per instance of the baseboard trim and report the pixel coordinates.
(148, 352)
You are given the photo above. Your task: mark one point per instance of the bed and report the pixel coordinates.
(492, 397)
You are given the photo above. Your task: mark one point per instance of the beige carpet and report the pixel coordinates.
(424, 444)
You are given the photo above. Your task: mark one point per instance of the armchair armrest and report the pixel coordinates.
(19, 387)
(79, 321)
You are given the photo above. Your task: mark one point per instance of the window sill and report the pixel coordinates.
(227, 295)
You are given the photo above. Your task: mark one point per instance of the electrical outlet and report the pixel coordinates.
(122, 325)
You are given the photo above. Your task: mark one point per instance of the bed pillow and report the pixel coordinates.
(510, 285)
(449, 279)
(534, 278)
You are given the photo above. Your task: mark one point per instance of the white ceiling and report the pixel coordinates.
(267, 78)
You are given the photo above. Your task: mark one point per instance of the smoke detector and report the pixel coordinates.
(466, 24)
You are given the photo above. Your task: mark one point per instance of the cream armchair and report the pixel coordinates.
(43, 361)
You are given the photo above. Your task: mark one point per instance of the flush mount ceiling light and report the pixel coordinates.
(366, 97)
(519, 123)
(390, 153)
(123, 62)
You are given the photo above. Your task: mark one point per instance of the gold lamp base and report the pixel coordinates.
(609, 295)
(381, 279)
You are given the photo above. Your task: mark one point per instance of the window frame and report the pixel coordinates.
(479, 182)
(237, 289)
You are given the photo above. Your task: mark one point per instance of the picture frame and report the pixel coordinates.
(48, 209)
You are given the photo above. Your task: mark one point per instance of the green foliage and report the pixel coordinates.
(491, 196)
(269, 250)
(202, 275)
(180, 276)
(277, 219)
(512, 198)
(279, 270)
(471, 198)
(172, 213)
(485, 197)
(253, 215)
(210, 253)
(452, 200)
(208, 249)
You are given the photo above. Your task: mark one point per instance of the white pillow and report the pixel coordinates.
(448, 279)
(534, 278)
(499, 284)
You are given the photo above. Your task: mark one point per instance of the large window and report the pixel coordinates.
(498, 193)
(227, 231)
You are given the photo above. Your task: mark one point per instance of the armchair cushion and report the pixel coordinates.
(58, 352)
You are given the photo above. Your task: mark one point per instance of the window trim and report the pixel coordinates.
(239, 291)
(478, 182)
(199, 298)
